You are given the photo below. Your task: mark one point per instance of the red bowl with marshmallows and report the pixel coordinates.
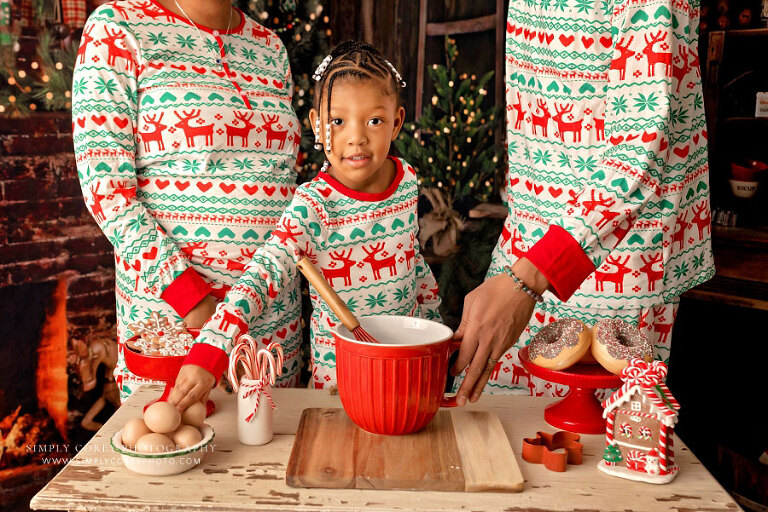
(395, 386)
(161, 368)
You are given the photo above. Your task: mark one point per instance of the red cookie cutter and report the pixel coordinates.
(544, 449)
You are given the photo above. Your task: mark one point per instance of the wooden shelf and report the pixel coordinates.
(742, 237)
(741, 260)
(743, 32)
(733, 292)
(745, 119)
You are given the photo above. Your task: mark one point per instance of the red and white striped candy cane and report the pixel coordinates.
(278, 350)
(266, 365)
(609, 427)
(244, 352)
(666, 449)
(261, 368)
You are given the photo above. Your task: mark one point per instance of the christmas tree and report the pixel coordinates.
(452, 146)
(612, 454)
(452, 143)
(304, 29)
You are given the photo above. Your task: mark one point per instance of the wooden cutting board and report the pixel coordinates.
(457, 451)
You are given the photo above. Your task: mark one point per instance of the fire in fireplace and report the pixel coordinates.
(33, 386)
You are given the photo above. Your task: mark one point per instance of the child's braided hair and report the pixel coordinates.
(353, 59)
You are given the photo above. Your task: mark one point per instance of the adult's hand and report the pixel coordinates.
(200, 314)
(193, 384)
(494, 316)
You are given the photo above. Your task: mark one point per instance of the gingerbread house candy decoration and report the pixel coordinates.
(640, 419)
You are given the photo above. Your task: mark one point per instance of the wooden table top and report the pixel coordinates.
(236, 477)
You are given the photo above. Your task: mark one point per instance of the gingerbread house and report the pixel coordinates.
(640, 420)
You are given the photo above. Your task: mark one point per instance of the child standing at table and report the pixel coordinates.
(356, 221)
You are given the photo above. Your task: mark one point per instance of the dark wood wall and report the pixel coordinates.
(393, 27)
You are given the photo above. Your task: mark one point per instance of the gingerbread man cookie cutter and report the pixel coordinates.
(555, 451)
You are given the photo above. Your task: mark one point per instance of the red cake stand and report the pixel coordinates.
(162, 368)
(579, 410)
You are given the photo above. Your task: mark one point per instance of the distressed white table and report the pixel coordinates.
(236, 477)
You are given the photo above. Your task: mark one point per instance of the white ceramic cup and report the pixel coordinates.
(258, 429)
(745, 189)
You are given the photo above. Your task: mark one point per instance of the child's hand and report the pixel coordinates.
(200, 314)
(193, 384)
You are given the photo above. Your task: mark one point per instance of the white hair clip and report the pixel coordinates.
(397, 75)
(321, 68)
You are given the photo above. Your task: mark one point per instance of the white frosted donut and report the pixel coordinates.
(560, 344)
(615, 343)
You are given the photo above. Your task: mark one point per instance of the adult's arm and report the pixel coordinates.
(105, 115)
(645, 125)
(648, 141)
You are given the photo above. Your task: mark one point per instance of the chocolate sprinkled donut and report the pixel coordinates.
(616, 342)
(559, 344)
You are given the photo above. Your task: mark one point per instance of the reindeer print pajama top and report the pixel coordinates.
(607, 186)
(365, 246)
(185, 141)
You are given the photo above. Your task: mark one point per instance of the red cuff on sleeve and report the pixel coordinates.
(209, 357)
(185, 292)
(562, 261)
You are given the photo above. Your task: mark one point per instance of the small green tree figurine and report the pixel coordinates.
(612, 455)
(452, 144)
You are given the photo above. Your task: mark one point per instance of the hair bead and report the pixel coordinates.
(318, 144)
(318, 74)
(398, 78)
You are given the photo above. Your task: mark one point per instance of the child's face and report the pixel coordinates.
(364, 122)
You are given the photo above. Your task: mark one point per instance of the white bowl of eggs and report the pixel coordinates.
(164, 442)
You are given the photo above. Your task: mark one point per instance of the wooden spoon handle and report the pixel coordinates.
(333, 300)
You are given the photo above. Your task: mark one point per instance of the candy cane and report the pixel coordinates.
(260, 366)
(275, 346)
(266, 363)
(244, 353)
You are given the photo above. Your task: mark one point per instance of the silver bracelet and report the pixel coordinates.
(520, 285)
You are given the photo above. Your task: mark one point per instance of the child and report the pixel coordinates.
(356, 221)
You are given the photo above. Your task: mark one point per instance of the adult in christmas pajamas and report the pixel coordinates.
(607, 185)
(185, 141)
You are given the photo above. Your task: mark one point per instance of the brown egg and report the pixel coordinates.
(162, 417)
(194, 415)
(186, 436)
(155, 443)
(132, 431)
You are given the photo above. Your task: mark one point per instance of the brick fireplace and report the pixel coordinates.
(57, 305)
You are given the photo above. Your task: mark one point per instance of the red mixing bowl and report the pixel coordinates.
(396, 386)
